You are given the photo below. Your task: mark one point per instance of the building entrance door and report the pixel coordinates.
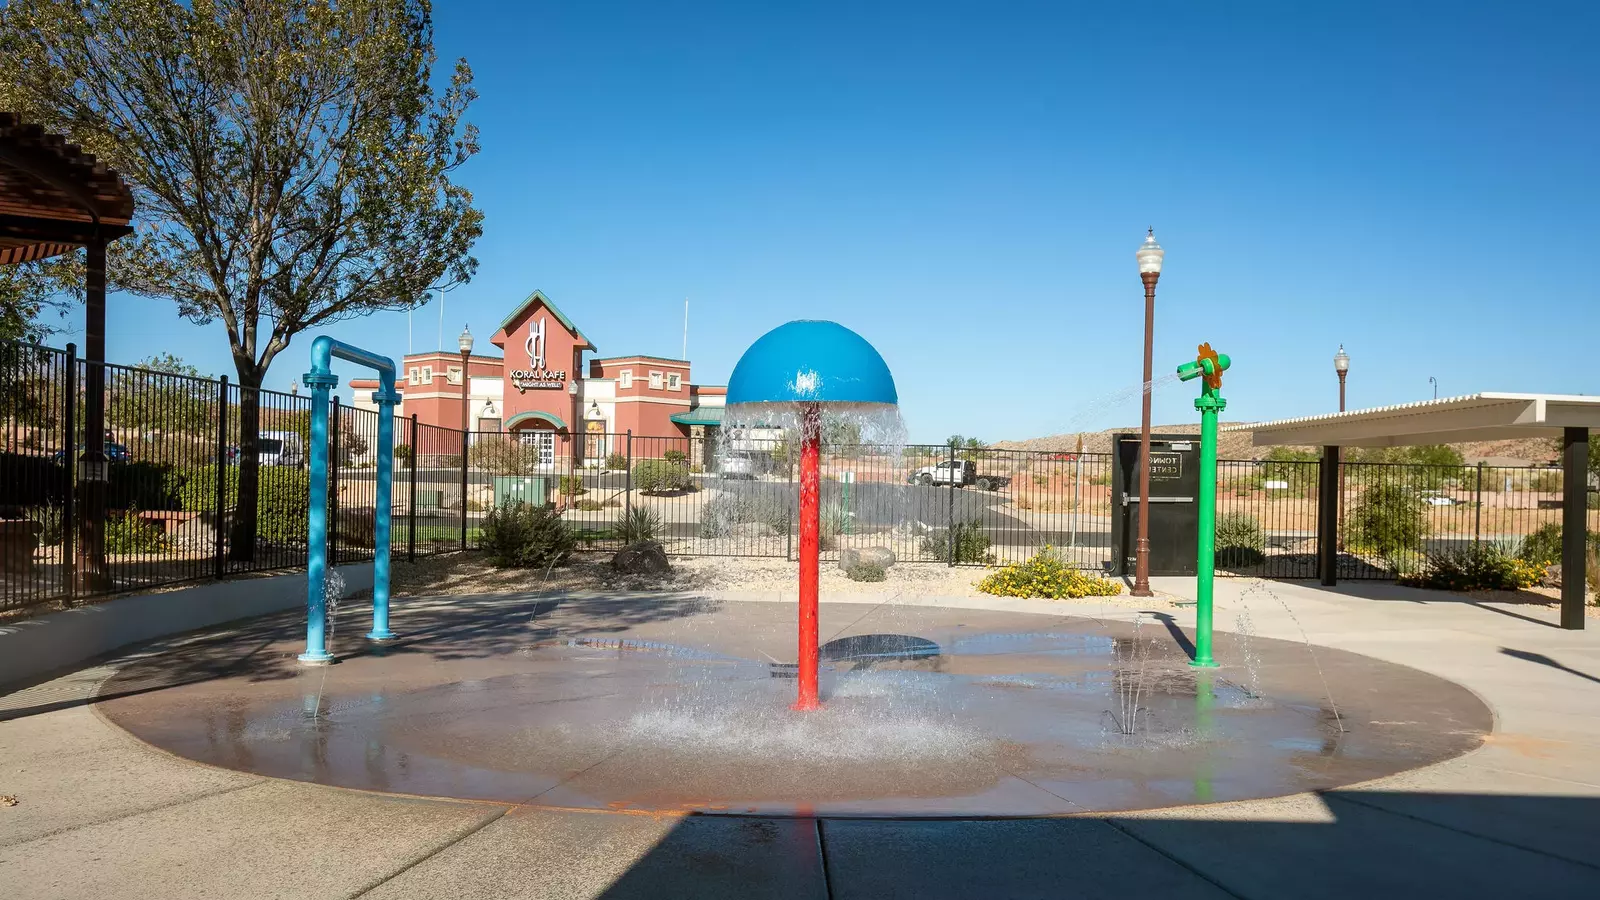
(595, 443)
(544, 444)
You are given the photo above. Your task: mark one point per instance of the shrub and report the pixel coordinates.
(833, 520)
(866, 572)
(638, 524)
(1544, 482)
(1592, 574)
(1046, 575)
(1240, 541)
(282, 500)
(572, 485)
(971, 544)
(403, 455)
(721, 513)
(1389, 520)
(524, 536)
(1480, 567)
(1041, 480)
(660, 476)
(675, 456)
(130, 534)
(1544, 545)
(590, 505)
(141, 485)
(616, 462)
(503, 455)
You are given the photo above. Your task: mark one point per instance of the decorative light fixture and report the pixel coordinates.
(1341, 364)
(465, 340)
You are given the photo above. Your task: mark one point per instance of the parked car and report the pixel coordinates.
(743, 464)
(963, 472)
(115, 452)
(1439, 498)
(281, 448)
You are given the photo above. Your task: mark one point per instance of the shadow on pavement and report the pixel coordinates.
(1378, 844)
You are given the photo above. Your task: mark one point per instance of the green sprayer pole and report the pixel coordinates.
(1209, 404)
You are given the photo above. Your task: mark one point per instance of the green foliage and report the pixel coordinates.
(641, 523)
(352, 444)
(1041, 480)
(1479, 567)
(572, 485)
(675, 456)
(971, 544)
(282, 500)
(866, 572)
(1240, 541)
(1294, 466)
(1046, 575)
(502, 455)
(587, 505)
(616, 462)
(654, 476)
(1544, 545)
(141, 485)
(128, 533)
(1390, 519)
(404, 455)
(1545, 482)
(50, 520)
(521, 535)
(832, 520)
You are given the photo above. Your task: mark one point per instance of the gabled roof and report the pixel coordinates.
(538, 297)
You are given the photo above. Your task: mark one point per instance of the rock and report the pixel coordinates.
(882, 557)
(643, 558)
(1552, 576)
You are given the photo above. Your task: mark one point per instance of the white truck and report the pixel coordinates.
(961, 472)
(281, 448)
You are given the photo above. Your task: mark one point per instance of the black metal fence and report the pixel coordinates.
(176, 446)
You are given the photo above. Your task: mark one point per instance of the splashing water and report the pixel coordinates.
(1115, 401)
(1260, 586)
(1244, 626)
(332, 593)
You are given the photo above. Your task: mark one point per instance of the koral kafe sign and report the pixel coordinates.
(537, 376)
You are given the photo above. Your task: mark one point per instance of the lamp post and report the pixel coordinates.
(464, 342)
(1149, 256)
(1341, 364)
(1435, 382)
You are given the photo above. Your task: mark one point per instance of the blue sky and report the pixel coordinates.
(965, 184)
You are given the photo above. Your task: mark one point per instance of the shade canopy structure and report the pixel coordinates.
(55, 198)
(1474, 417)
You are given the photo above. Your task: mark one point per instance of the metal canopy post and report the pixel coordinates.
(1328, 517)
(1574, 527)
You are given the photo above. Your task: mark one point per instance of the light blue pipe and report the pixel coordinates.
(321, 381)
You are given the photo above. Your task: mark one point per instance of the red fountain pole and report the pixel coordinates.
(810, 545)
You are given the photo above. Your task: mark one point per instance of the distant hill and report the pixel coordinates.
(1236, 445)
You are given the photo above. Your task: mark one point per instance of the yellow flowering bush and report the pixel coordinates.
(1046, 576)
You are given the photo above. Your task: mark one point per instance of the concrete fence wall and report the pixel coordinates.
(62, 640)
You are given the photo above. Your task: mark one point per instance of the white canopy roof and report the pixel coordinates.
(1475, 417)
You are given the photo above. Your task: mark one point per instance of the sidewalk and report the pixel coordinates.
(101, 815)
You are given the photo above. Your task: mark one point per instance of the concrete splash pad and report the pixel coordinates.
(674, 705)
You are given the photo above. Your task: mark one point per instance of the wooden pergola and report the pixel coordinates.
(55, 198)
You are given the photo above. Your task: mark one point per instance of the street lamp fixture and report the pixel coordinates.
(465, 343)
(1150, 256)
(1341, 365)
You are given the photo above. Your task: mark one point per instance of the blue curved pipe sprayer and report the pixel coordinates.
(322, 381)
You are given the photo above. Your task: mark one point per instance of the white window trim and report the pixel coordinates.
(657, 379)
(625, 379)
(453, 370)
(414, 375)
(674, 381)
(427, 374)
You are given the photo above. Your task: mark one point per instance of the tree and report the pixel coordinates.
(290, 160)
(162, 393)
(27, 290)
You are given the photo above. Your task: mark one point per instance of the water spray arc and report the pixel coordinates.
(789, 378)
(322, 381)
(1208, 366)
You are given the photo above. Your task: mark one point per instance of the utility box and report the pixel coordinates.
(533, 490)
(1173, 504)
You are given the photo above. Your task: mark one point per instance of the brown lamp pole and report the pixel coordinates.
(1341, 364)
(1149, 256)
(465, 343)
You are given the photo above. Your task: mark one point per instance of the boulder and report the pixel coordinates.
(882, 557)
(642, 558)
(1552, 576)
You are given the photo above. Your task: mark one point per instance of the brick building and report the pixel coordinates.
(543, 391)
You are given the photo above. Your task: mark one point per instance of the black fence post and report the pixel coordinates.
(219, 499)
(627, 480)
(1328, 517)
(465, 447)
(1477, 516)
(411, 502)
(333, 483)
(950, 530)
(69, 503)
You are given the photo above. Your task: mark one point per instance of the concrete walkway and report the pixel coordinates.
(101, 815)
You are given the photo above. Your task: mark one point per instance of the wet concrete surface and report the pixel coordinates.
(681, 705)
